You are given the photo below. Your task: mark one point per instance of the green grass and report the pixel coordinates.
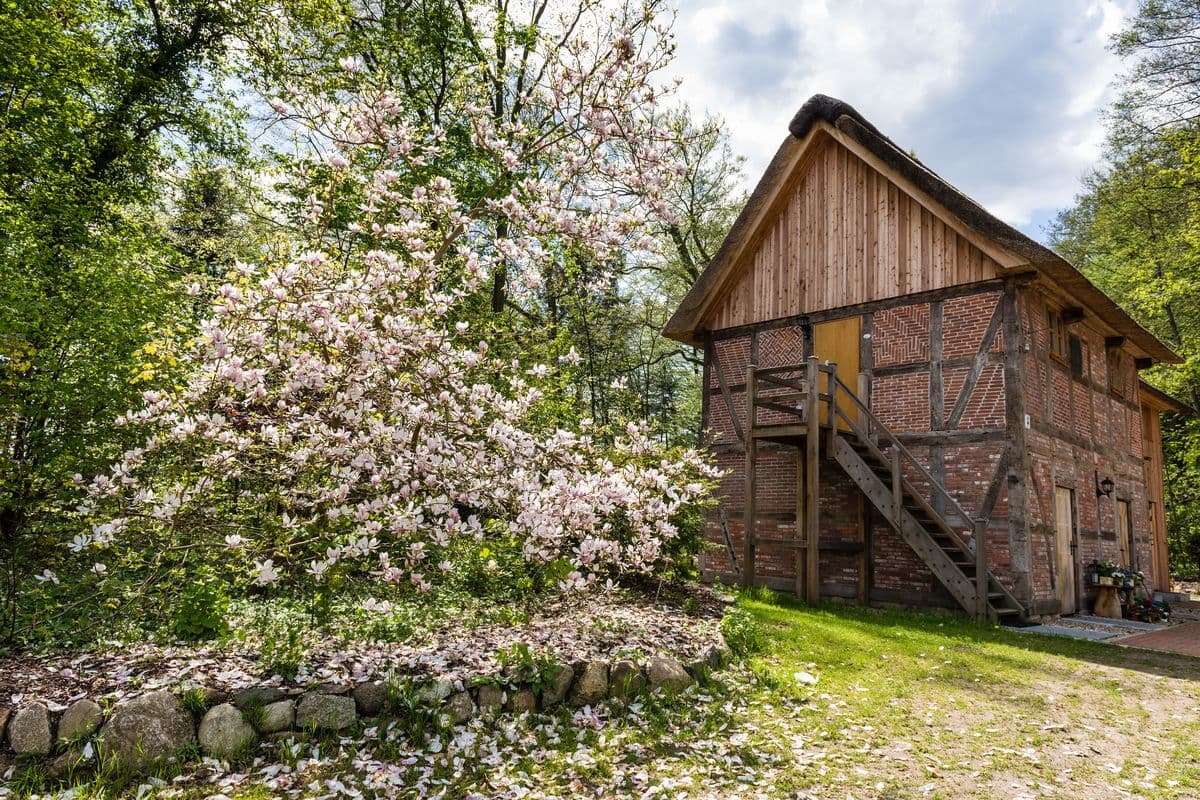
(920, 705)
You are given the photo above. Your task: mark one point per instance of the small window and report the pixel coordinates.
(1076, 352)
(1058, 333)
(1116, 372)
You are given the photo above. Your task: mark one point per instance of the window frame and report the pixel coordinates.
(1056, 335)
(1114, 361)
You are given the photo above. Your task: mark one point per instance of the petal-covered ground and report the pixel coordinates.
(841, 703)
(598, 625)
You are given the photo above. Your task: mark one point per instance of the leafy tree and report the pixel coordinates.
(96, 98)
(442, 56)
(1135, 228)
(1162, 87)
(337, 416)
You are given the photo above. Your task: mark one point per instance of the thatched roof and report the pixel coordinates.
(1026, 253)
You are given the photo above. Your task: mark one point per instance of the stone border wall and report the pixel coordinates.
(146, 730)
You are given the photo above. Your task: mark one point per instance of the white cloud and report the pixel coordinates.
(1002, 99)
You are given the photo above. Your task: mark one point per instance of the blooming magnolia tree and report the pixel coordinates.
(337, 411)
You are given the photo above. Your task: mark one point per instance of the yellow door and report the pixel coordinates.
(1064, 526)
(838, 341)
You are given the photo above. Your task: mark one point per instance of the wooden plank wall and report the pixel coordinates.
(1152, 447)
(847, 235)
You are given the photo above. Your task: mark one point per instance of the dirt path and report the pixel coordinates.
(920, 708)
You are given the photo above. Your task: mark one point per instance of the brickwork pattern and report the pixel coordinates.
(733, 355)
(902, 401)
(1077, 427)
(965, 320)
(780, 346)
(901, 335)
(985, 407)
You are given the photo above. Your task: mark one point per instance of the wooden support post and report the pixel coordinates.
(981, 570)
(864, 392)
(801, 562)
(897, 488)
(812, 487)
(748, 503)
(831, 410)
(864, 555)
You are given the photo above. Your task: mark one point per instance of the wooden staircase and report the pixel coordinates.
(930, 520)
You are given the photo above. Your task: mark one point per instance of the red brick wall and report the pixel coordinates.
(898, 362)
(901, 335)
(1079, 428)
(902, 401)
(969, 317)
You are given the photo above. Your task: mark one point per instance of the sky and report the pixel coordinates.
(1002, 99)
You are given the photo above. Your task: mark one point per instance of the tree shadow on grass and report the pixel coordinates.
(846, 629)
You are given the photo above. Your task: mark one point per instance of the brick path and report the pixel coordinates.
(1183, 638)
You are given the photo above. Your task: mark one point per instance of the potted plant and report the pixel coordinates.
(1147, 609)
(1105, 573)
(1128, 578)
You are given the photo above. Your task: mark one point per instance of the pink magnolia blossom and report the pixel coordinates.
(333, 412)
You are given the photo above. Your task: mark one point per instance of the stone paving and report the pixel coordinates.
(1063, 630)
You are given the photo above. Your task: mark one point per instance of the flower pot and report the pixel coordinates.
(1105, 580)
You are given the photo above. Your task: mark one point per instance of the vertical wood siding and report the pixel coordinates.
(846, 235)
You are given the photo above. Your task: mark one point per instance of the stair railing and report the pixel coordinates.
(900, 453)
(870, 432)
(802, 398)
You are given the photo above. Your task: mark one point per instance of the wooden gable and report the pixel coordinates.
(842, 233)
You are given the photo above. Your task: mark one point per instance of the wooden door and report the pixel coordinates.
(838, 341)
(1124, 531)
(1064, 528)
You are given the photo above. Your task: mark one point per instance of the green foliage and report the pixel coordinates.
(742, 632)
(124, 170)
(97, 99)
(254, 712)
(1134, 232)
(496, 568)
(195, 701)
(201, 611)
(276, 631)
(413, 713)
(522, 664)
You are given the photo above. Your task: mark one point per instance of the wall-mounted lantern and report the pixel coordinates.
(1104, 488)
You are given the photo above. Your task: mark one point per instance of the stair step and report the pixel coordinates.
(934, 527)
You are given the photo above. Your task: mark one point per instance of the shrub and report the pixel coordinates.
(200, 613)
(338, 414)
(742, 632)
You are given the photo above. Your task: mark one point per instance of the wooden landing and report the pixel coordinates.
(789, 434)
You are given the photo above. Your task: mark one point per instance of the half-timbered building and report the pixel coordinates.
(914, 402)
